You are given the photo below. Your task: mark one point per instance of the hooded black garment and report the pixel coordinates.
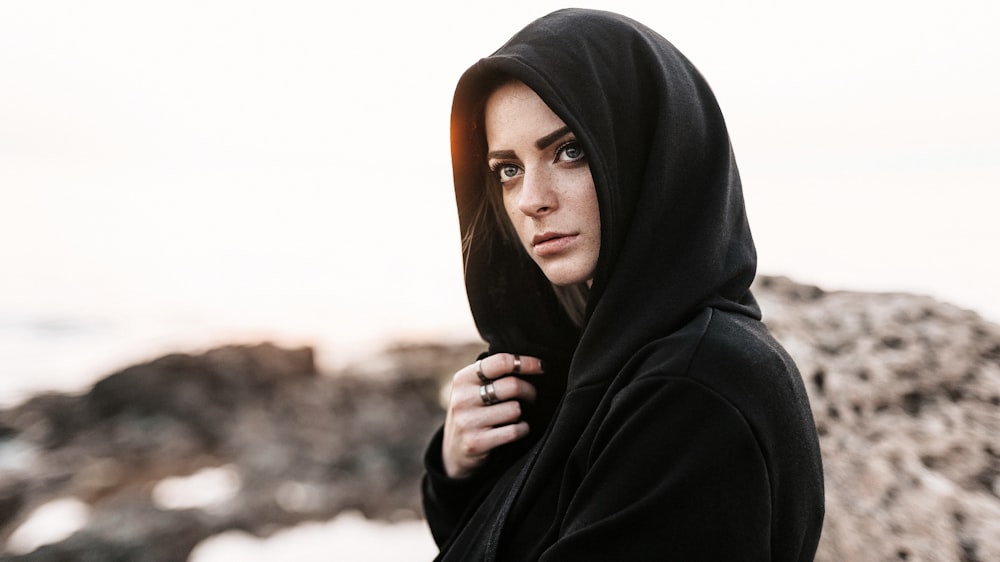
(671, 426)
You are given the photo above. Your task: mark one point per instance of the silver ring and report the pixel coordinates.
(488, 394)
(517, 364)
(479, 373)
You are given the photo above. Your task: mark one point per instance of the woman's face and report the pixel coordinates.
(548, 191)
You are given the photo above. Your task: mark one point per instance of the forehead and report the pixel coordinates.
(514, 113)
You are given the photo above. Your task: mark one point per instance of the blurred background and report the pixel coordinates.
(179, 175)
(188, 173)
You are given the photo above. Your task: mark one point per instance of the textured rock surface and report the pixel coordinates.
(905, 391)
(305, 446)
(906, 395)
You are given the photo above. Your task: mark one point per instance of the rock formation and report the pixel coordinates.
(906, 395)
(304, 445)
(905, 392)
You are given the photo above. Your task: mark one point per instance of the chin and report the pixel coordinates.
(563, 277)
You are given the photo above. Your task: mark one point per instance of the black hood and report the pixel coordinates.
(675, 237)
(684, 429)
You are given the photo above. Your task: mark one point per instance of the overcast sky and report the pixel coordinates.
(284, 165)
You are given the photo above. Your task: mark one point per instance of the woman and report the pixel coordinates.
(631, 405)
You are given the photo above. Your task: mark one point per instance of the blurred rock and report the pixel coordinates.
(905, 391)
(305, 446)
(906, 395)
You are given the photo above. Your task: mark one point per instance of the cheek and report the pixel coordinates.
(514, 216)
(584, 202)
(508, 205)
(593, 207)
(595, 212)
(517, 220)
(511, 228)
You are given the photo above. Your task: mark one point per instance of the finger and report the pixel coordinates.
(492, 438)
(499, 365)
(513, 388)
(505, 389)
(462, 457)
(480, 373)
(488, 394)
(498, 414)
(515, 364)
(466, 423)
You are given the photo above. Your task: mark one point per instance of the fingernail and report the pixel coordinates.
(541, 365)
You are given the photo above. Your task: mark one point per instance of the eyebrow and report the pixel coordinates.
(540, 144)
(550, 138)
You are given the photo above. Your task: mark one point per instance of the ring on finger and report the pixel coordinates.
(479, 373)
(488, 394)
(517, 364)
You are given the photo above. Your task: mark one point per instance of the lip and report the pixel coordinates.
(549, 243)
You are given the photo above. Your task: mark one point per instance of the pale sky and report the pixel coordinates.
(282, 168)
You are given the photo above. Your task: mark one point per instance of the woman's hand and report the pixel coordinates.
(484, 411)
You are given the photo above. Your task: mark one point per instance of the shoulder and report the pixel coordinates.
(721, 397)
(733, 370)
(725, 352)
(732, 337)
(728, 362)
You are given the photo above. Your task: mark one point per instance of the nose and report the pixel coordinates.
(538, 195)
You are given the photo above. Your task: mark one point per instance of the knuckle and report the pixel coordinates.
(461, 423)
(472, 446)
(515, 409)
(467, 451)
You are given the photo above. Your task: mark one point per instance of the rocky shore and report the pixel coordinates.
(905, 391)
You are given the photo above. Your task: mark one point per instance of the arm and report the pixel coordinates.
(445, 498)
(675, 473)
(456, 461)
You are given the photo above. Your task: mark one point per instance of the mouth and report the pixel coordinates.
(549, 243)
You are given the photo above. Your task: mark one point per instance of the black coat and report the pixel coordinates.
(671, 426)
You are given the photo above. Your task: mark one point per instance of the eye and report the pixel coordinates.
(570, 152)
(505, 171)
